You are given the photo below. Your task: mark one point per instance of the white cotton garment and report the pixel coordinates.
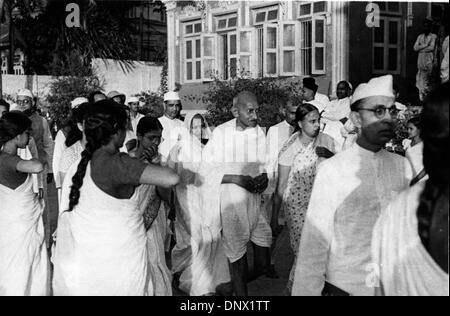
(135, 122)
(337, 109)
(234, 152)
(277, 136)
(101, 246)
(349, 192)
(405, 267)
(414, 154)
(23, 253)
(185, 159)
(58, 151)
(171, 131)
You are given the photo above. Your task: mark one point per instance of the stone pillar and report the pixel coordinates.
(340, 42)
(171, 43)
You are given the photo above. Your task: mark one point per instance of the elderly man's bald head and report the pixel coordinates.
(245, 109)
(244, 98)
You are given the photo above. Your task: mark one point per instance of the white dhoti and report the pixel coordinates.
(101, 248)
(23, 255)
(404, 265)
(243, 220)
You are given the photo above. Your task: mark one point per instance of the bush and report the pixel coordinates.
(63, 90)
(271, 94)
(153, 103)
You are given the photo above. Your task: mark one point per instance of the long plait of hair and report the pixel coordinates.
(98, 132)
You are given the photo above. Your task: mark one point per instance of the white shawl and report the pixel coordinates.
(404, 265)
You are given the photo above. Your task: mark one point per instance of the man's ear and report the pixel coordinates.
(235, 111)
(355, 117)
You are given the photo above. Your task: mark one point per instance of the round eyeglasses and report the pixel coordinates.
(380, 111)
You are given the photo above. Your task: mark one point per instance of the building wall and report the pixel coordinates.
(361, 53)
(191, 92)
(144, 77)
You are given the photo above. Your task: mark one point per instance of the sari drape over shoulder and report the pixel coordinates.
(23, 254)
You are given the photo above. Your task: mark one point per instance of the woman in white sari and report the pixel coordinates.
(101, 246)
(185, 159)
(23, 254)
(298, 161)
(410, 239)
(149, 132)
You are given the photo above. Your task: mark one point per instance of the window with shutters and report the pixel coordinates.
(312, 37)
(386, 46)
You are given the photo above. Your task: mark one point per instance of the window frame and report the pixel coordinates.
(194, 59)
(311, 13)
(295, 48)
(386, 46)
(193, 23)
(250, 54)
(212, 58)
(266, 9)
(267, 50)
(226, 16)
(315, 45)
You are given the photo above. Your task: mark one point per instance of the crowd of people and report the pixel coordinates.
(148, 204)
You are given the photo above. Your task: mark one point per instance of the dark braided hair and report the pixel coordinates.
(303, 110)
(77, 116)
(13, 124)
(103, 119)
(434, 133)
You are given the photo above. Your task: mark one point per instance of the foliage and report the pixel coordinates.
(163, 87)
(153, 103)
(104, 33)
(401, 130)
(271, 93)
(64, 89)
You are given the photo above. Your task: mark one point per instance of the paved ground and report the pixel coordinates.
(262, 286)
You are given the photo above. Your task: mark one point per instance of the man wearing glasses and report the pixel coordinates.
(40, 129)
(349, 193)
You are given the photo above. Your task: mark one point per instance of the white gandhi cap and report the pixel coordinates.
(172, 96)
(379, 86)
(25, 93)
(78, 101)
(133, 100)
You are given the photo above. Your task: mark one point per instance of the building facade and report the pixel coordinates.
(329, 40)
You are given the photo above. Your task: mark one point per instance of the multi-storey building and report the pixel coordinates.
(329, 40)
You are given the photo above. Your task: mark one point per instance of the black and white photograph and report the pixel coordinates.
(237, 149)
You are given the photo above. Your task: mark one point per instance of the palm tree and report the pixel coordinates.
(51, 45)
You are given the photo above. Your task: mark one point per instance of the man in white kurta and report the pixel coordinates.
(233, 178)
(171, 125)
(349, 193)
(337, 113)
(311, 96)
(135, 116)
(276, 137)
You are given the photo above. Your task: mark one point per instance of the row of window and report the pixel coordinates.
(277, 48)
(284, 49)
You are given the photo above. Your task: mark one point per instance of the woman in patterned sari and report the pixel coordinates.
(298, 161)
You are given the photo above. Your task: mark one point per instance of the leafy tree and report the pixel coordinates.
(50, 44)
(153, 103)
(64, 89)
